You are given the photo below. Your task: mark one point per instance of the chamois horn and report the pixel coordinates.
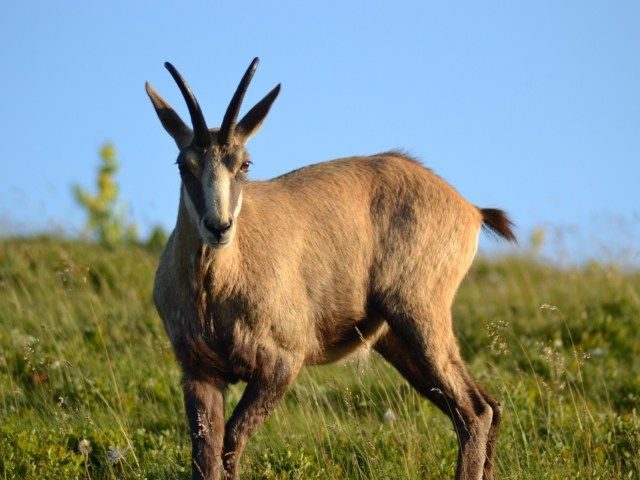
(231, 115)
(201, 135)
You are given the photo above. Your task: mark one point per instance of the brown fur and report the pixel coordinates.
(498, 222)
(325, 259)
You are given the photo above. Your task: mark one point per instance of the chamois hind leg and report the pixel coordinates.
(423, 349)
(260, 397)
(494, 431)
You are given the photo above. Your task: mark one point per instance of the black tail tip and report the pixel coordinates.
(498, 222)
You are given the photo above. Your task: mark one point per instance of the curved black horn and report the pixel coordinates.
(201, 135)
(231, 115)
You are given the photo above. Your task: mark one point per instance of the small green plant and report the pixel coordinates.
(157, 239)
(537, 239)
(105, 215)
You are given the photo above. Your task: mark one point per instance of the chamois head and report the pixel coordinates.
(213, 163)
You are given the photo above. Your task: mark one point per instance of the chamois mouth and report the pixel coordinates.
(220, 243)
(214, 242)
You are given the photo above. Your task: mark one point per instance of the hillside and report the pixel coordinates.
(83, 356)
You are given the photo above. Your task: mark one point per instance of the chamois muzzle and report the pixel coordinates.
(217, 230)
(201, 135)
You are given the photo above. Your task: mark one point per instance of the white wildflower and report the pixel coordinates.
(84, 447)
(115, 454)
(389, 416)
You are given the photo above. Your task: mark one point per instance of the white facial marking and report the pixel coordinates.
(189, 204)
(236, 211)
(216, 194)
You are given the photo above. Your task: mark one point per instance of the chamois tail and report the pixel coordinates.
(498, 223)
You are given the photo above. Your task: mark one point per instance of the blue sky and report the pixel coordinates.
(533, 107)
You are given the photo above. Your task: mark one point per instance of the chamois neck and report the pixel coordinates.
(192, 255)
(187, 237)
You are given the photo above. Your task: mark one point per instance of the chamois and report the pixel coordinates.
(260, 278)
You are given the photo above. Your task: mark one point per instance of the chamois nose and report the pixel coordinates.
(217, 229)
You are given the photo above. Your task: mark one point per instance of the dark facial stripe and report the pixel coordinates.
(194, 190)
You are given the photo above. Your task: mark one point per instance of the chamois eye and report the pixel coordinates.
(185, 167)
(244, 168)
(187, 163)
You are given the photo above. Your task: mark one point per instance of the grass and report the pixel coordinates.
(83, 356)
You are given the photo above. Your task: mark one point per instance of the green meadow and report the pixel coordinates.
(89, 387)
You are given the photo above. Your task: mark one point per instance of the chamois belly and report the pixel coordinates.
(348, 337)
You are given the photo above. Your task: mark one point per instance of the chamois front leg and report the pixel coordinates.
(261, 395)
(204, 402)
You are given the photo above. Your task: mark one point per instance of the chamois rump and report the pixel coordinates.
(261, 278)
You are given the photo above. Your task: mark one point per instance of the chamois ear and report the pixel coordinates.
(252, 121)
(170, 120)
